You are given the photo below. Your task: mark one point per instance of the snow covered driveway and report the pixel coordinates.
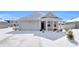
(20, 40)
(10, 38)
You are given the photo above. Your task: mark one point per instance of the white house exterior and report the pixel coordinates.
(72, 24)
(39, 22)
(3, 24)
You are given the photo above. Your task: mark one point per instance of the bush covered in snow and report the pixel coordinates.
(70, 35)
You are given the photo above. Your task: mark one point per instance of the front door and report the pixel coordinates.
(43, 25)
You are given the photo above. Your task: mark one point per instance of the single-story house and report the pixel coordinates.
(38, 22)
(3, 24)
(71, 24)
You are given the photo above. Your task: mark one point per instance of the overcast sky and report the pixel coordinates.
(65, 15)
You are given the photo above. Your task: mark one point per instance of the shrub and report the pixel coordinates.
(70, 35)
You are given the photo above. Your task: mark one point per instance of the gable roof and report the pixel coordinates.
(38, 16)
(50, 15)
(1, 20)
(73, 20)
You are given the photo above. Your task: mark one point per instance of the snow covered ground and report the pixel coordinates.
(10, 38)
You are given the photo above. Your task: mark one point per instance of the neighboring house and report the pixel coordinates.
(12, 23)
(3, 24)
(39, 22)
(71, 24)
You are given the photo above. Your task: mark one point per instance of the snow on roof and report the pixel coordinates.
(2, 21)
(73, 20)
(35, 16)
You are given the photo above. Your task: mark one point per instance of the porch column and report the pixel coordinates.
(46, 26)
(39, 25)
(53, 25)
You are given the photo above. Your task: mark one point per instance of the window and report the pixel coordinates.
(54, 25)
(48, 25)
(75, 25)
(15, 25)
(55, 29)
(48, 21)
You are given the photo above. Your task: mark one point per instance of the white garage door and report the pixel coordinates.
(32, 25)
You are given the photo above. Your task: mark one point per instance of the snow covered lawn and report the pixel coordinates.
(10, 38)
(5, 30)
